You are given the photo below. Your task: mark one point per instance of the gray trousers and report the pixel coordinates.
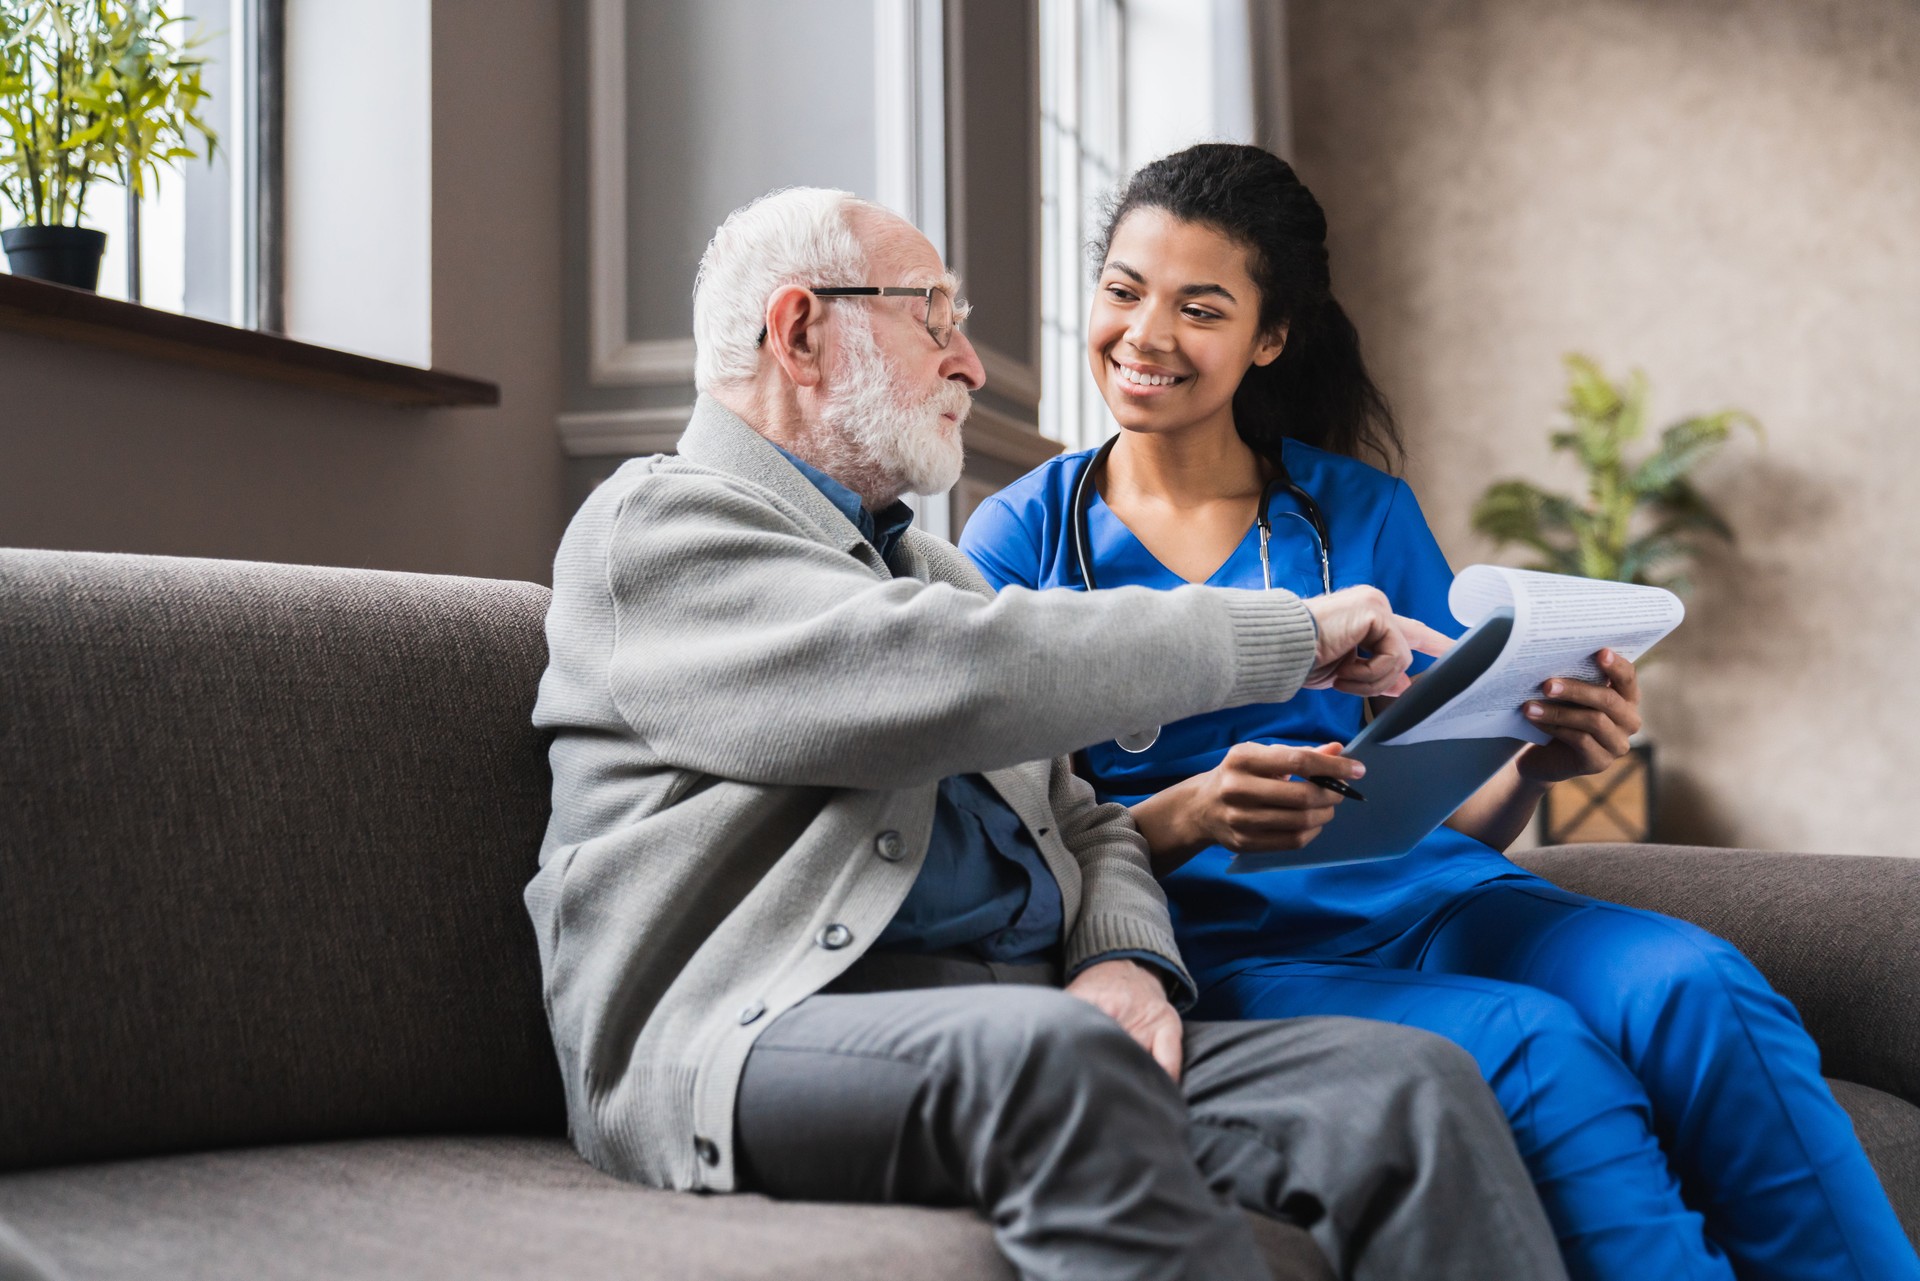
(946, 1082)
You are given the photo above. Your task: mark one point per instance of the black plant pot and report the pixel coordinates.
(64, 255)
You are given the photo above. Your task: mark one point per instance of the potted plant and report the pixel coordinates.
(1640, 522)
(91, 91)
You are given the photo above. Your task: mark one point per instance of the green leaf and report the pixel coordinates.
(1636, 518)
(1678, 584)
(1560, 561)
(1513, 511)
(1645, 554)
(1683, 446)
(92, 88)
(1632, 418)
(1589, 394)
(1682, 509)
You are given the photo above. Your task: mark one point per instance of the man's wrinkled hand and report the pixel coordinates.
(1364, 647)
(1131, 995)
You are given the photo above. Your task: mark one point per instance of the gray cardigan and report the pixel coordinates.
(752, 715)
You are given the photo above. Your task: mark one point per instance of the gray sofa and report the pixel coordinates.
(272, 1005)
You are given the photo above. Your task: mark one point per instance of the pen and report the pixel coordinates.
(1335, 785)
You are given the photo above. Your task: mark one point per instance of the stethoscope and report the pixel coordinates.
(1141, 740)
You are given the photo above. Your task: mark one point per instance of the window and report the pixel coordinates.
(1081, 148)
(206, 231)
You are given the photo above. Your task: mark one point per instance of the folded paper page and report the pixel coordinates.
(1438, 743)
(1559, 624)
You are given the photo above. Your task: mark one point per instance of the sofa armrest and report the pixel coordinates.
(1836, 934)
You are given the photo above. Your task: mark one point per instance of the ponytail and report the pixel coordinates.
(1318, 392)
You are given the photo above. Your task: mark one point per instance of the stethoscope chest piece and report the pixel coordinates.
(1077, 535)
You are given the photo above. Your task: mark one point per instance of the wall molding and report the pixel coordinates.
(1017, 380)
(910, 114)
(995, 436)
(920, 165)
(909, 126)
(998, 435)
(989, 433)
(614, 358)
(623, 433)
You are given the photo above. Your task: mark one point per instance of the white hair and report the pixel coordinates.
(796, 236)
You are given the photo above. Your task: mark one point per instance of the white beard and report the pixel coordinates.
(873, 429)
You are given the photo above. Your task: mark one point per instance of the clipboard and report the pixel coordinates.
(1411, 788)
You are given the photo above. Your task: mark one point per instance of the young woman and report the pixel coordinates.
(1667, 1101)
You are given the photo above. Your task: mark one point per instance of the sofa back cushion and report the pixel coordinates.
(262, 843)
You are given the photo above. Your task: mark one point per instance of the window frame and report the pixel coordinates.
(1083, 149)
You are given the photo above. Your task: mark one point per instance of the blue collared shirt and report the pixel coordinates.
(984, 887)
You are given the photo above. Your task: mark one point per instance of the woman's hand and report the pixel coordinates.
(1256, 799)
(1590, 723)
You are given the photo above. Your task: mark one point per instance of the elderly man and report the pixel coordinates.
(816, 871)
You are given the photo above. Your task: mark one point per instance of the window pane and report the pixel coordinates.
(187, 248)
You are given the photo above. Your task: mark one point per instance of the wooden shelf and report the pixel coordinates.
(74, 315)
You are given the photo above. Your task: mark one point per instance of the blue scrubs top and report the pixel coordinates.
(1379, 536)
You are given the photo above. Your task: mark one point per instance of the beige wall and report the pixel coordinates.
(102, 451)
(1725, 193)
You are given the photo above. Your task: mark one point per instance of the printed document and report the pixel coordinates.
(1559, 623)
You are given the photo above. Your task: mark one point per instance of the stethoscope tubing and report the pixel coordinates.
(1082, 544)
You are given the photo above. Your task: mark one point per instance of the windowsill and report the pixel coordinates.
(74, 315)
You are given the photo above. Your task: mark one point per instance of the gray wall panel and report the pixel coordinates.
(728, 99)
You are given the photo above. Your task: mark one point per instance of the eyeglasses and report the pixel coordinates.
(943, 315)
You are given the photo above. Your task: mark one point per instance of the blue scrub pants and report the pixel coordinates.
(1667, 1101)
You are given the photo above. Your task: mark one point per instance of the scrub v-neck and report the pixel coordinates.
(1099, 513)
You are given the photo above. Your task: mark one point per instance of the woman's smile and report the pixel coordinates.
(1144, 380)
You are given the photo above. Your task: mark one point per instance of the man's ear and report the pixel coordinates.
(796, 323)
(1272, 343)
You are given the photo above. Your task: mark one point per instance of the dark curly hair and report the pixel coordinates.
(1317, 390)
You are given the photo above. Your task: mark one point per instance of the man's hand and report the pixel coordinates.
(1131, 995)
(1364, 647)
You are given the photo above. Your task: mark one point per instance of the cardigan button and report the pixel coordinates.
(707, 1151)
(890, 846)
(752, 1012)
(834, 937)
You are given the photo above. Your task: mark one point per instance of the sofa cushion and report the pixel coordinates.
(19, 1261)
(265, 835)
(479, 1208)
(1889, 1129)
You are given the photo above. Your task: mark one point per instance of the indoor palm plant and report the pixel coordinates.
(1641, 521)
(91, 91)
